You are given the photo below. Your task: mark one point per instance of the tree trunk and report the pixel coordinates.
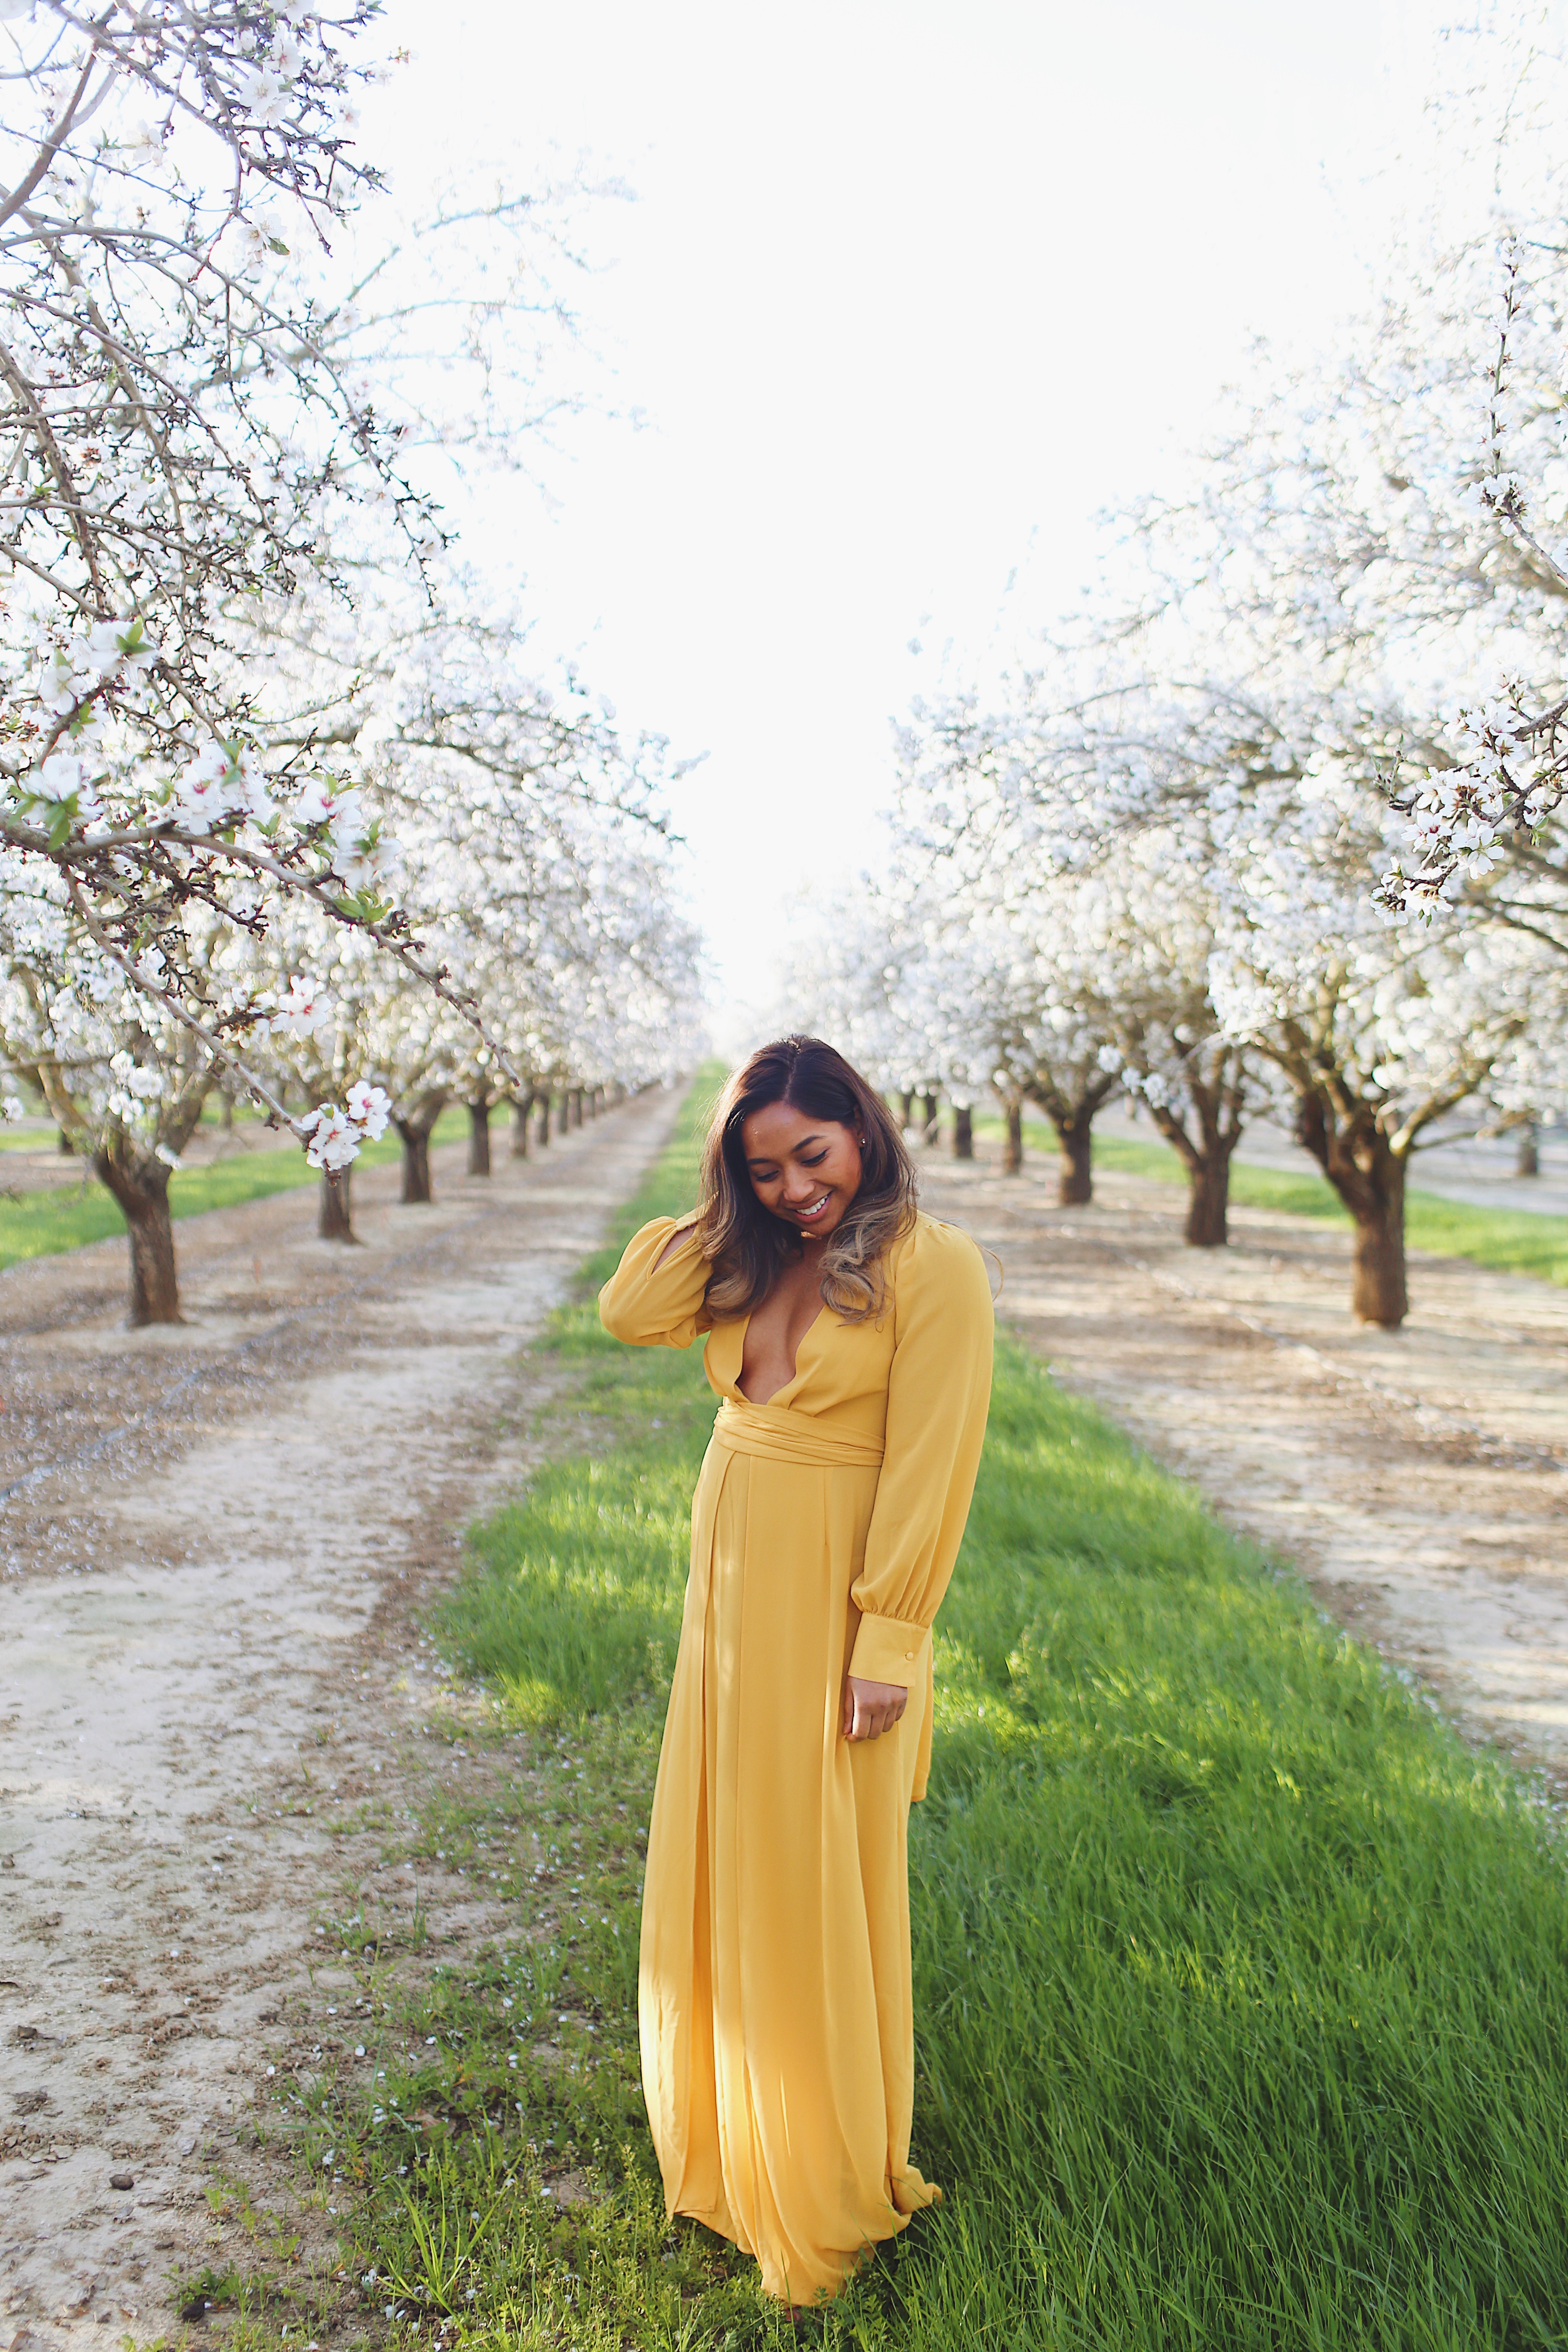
(143, 1193)
(1379, 1294)
(543, 1130)
(1208, 1199)
(1075, 1185)
(335, 1222)
(1529, 1160)
(933, 1107)
(479, 1138)
(521, 1104)
(593, 1102)
(1013, 1149)
(417, 1190)
(65, 1147)
(1368, 1178)
(225, 1113)
(963, 1131)
(576, 1106)
(906, 1111)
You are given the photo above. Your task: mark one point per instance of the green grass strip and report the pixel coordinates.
(41, 1224)
(1508, 1241)
(1238, 1977)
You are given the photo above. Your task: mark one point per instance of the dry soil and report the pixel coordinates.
(215, 1542)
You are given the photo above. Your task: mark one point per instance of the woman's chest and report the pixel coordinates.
(823, 1364)
(774, 1331)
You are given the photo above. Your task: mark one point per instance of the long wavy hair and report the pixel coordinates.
(746, 1243)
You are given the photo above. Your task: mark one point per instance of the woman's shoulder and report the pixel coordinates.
(939, 1256)
(651, 1237)
(644, 1255)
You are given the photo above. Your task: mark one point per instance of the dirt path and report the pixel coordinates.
(1417, 1476)
(205, 1655)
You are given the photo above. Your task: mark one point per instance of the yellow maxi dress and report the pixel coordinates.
(777, 2032)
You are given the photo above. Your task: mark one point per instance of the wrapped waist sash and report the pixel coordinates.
(777, 1435)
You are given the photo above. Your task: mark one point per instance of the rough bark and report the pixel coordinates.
(1208, 1205)
(1074, 1183)
(480, 1136)
(1070, 1102)
(1369, 1177)
(1203, 1138)
(335, 1222)
(416, 1138)
(141, 1189)
(963, 1131)
(1013, 1146)
(521, 1106)
(1529, 1160)
(1378, 1290)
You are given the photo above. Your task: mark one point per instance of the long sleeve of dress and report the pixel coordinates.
(653, 1305)
(939, 1391)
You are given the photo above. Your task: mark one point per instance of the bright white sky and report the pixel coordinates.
(911, 288)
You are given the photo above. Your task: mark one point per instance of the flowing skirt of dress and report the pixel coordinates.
(777, 2033)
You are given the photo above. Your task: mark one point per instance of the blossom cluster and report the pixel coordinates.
(1509, 777)
(336, 1134)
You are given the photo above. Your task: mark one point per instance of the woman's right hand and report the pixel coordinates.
(871, 1708)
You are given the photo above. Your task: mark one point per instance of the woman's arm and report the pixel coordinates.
(682, 1233)
(939, 1392)
(655, 1297)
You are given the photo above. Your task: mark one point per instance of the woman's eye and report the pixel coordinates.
(816, 1162)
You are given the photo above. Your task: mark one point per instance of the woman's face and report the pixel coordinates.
(806, 1171)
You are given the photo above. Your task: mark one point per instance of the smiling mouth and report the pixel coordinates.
(809, 1215)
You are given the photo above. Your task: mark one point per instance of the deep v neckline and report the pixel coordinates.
(795, 1366)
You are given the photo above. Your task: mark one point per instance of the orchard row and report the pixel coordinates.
(1276, 820)
(287, 805)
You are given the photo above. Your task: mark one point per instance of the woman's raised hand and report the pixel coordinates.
(871, 1708)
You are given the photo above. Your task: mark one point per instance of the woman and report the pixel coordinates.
(849, 1339)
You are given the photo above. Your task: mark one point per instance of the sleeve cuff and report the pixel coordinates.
(889, 1651)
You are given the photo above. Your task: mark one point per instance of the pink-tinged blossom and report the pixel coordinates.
(336, 1136)
(306, 1011)
(370, 1108)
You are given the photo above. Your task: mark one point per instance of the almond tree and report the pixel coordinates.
(523, 814)
(203, 441)
(1261, 757)
(1377, 1032)
(1389, 515)
(1144, 943)
(172, 437)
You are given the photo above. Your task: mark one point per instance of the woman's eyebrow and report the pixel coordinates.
(770, 1158)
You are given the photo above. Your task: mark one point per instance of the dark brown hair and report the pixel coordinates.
(746, 1243)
